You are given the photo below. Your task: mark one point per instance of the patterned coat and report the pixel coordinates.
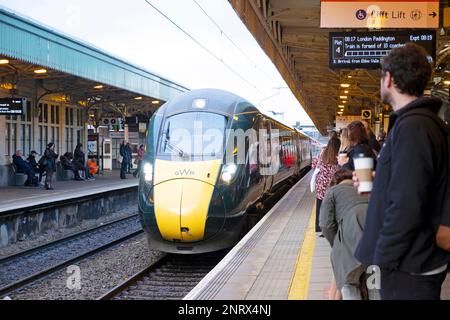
(324, 177)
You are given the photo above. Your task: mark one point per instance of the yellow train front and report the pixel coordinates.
(191, 199)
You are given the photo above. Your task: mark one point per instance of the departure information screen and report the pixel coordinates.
(12, 106)
(364, 50)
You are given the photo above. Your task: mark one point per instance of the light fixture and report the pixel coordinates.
(138, 98)
(447, 82)
(40, 71)
(340, 113)
(341, 106)
(343, 97)
(199, 104)
(350, 77)
(98, 87)
(346, 91)
(155, 102)
(4, 61)
(345, 85)
(344, 101)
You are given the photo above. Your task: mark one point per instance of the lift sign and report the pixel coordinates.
(13, 106)
(364, 50)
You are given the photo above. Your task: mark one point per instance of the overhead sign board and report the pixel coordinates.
(380, 14)
(364, 50)
(14, 106)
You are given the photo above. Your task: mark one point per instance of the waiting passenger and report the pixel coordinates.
(92, 169)
(359, 144)
(345, 141)
(24, 167)
(139, 159)
(35, 165)
(342, 219)
(67, 164)
(79, 159)
(49, 163)
(373, 143)
(410, 188)
(327, 165)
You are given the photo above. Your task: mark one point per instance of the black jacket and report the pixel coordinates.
(355, 151)
(22, 165)
(406, 204)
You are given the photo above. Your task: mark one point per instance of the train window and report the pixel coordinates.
(193, 134)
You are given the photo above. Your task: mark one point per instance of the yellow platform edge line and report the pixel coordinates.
(299, 288)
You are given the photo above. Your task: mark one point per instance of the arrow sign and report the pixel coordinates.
(434, 14)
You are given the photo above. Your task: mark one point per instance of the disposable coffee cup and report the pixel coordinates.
(364, 169)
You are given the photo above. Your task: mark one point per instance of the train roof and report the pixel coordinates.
(216, 100)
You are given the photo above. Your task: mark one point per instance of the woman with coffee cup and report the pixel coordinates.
(327, 164)
(359, 144)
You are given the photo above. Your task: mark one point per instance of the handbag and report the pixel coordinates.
(312, 184)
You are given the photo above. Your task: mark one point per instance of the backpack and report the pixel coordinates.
(443, 228)
(43, 161)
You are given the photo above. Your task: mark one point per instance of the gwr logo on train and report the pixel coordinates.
(184, 173)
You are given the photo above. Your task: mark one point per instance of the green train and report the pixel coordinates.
(210, 157)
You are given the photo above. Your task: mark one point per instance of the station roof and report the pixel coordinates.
(29, 43)
(290, 34)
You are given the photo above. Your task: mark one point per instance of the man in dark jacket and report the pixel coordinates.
(24, 167)
(405, 207)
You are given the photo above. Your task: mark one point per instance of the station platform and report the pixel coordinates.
(282, 258)
(18, 198)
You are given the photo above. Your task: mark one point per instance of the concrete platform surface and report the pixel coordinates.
(16, 198)
(282, 258)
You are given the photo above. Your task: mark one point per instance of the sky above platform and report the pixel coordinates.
(135, 31)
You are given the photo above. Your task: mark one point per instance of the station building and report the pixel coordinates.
(72, 93)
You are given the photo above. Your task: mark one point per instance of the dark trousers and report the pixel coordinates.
(123, 170)
(318, 205)
(397, 285)
(30, 176)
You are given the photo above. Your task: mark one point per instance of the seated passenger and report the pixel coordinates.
(24, 167)
(342, 219)
(35, 165)
(92, 169)
(66, 163)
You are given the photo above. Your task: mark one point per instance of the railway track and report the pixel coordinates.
(26, 267)
(174, 276)
(170, 278)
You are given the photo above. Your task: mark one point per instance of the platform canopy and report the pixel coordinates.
(72, 67)
(290, 34)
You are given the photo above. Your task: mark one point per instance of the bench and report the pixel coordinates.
(19, 178)
(63, 174)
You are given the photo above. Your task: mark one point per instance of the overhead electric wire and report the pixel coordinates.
(231, 40)
(203, 46)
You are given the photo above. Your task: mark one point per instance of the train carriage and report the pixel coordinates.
(210, 157)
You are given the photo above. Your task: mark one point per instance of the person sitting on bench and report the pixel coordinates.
(24, 167)
(67, 164)
(34, 164)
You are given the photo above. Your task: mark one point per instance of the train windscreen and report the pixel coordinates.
(193, 135)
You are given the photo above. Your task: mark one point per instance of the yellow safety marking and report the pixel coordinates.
(300, 281)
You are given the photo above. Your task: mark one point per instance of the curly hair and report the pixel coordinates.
(409, 67)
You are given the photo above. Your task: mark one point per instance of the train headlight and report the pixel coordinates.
(148, 172)
(228, 172)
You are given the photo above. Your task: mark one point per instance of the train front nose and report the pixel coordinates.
(182, 205)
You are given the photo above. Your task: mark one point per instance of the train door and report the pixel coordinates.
(267, 163)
